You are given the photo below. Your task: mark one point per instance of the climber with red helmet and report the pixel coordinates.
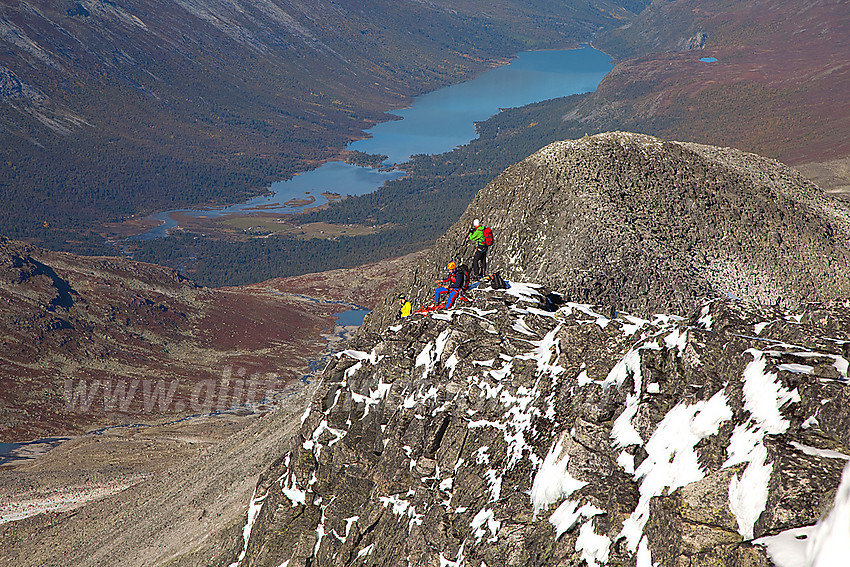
(456, 280)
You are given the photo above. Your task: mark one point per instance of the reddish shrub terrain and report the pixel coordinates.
(90, 341)
(779, 87)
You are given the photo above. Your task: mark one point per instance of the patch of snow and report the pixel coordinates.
(451, 364)
(788, 548)
(359, 355)
(543, 353)
(352, 371)
(677, 339)
(653, 388)
(626, 462)
(483, 517)
(829, 543)
(481, 312)
(759, 327)
(426, 359)
(254, 508)
(501, 373)
(524, 291)
(520, 326)
(348, 523)
(410, 401)
(704, 320)
(481, 456)
(566, 516)
(623, 431)
(321, 428)
(320, 531)
(841, 365)
(633, 326)
(644, 557)
(458, 562)
(297, 496)
(594, 548)
(764, 395)
(552, 481)
(440, 344)
(814, 451)
(748, 496)
(366, 550)
(600, 320)
(672, 460)
(810, 422)
(399, 505)
(796, 368)
(494, 481)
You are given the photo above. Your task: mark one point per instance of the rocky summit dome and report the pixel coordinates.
(644, 225)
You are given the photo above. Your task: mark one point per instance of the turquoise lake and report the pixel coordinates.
(435, 123)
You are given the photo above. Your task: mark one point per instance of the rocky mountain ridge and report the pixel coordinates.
(632, 222)
(566, 421)
(510, 432)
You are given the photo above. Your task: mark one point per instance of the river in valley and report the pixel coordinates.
(434, 123)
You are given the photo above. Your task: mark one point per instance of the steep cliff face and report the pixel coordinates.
(511, 431)
(645, 225)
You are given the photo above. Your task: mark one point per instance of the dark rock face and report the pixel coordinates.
(649, 226)
(500, 433)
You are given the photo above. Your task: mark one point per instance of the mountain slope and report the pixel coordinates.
(639, 224)
(778, 88)
(109, 109)
(94, 341)
(504, 433)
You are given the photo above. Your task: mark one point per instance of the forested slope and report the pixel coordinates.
(109, 109)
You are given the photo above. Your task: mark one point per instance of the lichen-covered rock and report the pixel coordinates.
(501, 433)
(647, 226)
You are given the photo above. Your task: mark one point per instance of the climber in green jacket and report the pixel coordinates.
(482, 236)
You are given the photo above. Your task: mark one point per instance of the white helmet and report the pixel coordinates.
(476, 222)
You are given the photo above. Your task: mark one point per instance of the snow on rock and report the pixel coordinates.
(552, 481)
(825, 544)
(511, 432)
(672, 459)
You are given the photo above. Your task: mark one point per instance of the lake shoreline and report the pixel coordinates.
(429, 136)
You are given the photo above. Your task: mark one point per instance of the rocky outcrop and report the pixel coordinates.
(518, 429)
(636, 223)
